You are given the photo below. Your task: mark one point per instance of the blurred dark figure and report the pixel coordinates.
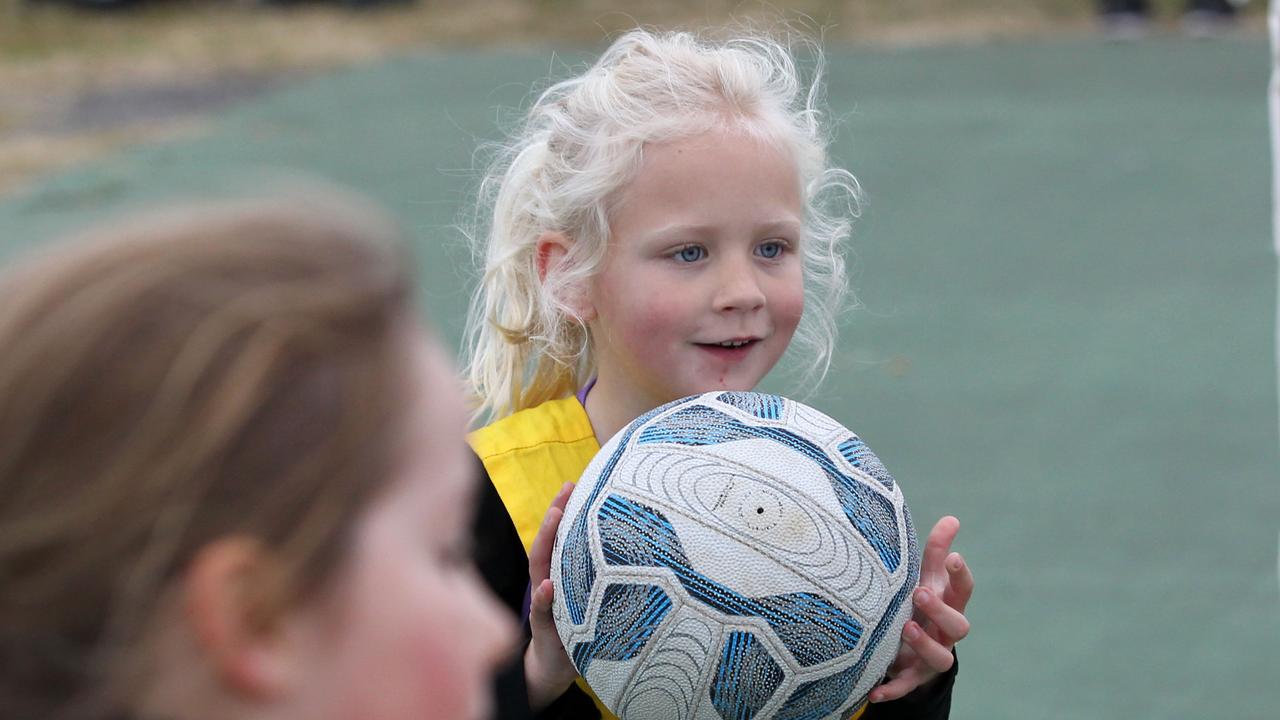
(1131, 19)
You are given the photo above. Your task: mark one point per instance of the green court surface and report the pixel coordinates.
(1065, 331)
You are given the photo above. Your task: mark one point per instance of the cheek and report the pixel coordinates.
(788, 304)
(411, 651)
(449, 675)
(647, 324)
(643, 301)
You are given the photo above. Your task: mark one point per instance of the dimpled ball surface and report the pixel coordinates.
(730, 556)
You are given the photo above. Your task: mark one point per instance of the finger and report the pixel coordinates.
(540, 604)
(949, 625)
(562, 497)
(934, 654)
(903, 683)
(936, 549)
(543, 542)
(542, 628)
(960, 585)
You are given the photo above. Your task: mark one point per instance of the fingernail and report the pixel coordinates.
(911, 631)
(957, 563)
(923, 596)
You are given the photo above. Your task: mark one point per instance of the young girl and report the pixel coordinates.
(664, 224)
(231, 464)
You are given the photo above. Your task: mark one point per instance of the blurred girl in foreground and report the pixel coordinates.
(231, 466)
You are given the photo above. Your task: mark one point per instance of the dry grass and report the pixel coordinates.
(51, 54)
(27, 155)
(41, 40)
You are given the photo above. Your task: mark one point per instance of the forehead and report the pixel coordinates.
(437, 415)
(432, 472)
(724, 169)
(720, 149)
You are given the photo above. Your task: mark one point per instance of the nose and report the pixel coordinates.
(738, 287)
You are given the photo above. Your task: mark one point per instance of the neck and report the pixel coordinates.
(610, 407)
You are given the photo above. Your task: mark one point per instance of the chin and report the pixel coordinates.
(736, 385)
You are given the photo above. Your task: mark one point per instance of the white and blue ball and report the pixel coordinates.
(731, 556)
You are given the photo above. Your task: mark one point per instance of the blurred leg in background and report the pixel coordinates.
(1131, 19)
(1206, 18)
(1124, 19)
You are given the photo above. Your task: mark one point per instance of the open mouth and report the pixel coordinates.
(729, 349)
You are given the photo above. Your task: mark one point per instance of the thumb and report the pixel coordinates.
(540, 617)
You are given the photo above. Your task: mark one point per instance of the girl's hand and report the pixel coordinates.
(939, 623)
(548, 671)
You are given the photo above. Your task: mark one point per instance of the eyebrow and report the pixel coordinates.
(780, 227)
(775, 227)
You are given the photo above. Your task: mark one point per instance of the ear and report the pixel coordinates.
(551, 253)
(551, 250)
(233, 601)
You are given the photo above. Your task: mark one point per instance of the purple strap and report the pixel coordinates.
(582, 394)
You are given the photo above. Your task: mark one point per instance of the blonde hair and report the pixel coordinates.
(235, 369)
(580, 144)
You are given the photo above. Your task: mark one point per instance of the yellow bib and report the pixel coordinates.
(529, 455)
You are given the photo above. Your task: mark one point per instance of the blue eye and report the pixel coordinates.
(770, 250)
(691, 253)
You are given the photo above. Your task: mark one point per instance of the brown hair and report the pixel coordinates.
(223, 370)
